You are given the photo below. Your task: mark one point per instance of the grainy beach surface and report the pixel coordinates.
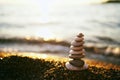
(52, 68)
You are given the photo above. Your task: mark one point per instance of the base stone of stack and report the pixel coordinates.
(77, 63)
(74, 68)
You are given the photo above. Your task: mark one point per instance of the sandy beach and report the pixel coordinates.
(32, 66)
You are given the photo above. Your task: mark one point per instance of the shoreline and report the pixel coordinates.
(48, 56)
(90, 46)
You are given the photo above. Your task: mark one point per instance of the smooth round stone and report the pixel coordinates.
(73, 68)
(74, 43)
(76, 48)
(76, 56)
(77, 63)
(77, 52)
(80, 35)
(78, 39)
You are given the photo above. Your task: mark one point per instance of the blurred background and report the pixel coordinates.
(48, 26)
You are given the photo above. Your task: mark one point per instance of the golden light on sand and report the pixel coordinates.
(33, 55)
(45, 56)
(24, 54)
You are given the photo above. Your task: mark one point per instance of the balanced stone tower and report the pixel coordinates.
(76, 53)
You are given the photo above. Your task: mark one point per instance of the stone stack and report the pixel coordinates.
(76, 53)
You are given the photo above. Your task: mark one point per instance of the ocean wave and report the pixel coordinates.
(33, 41)
(108, 40)
(53, 46)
